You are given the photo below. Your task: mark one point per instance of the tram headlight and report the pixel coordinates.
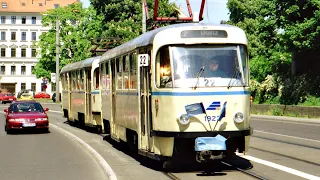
(184, 119)
(238, 117)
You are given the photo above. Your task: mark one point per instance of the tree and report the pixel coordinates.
(123, 18)
(268, 53)
(300, 20)
(77, 27)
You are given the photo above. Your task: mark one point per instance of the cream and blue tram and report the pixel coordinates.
(81, 101)
(160, 96)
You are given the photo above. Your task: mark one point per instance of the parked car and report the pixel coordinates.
(7, 98)
(42, 95)
(54, 97)
(26, 115)
(26, 96)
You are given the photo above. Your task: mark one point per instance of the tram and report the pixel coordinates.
(161, 96)
(81, 94)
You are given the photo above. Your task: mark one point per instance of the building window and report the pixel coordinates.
(24, 19)
(33, 53)
(2, 70)
(23, 52)
(56, 6)
(33, 87)
(34, 36)
(34, 20)
(3, 52)
(23, 4)
(3, 19)
(3, 36)
(13, 52)
(13, 19)
(32, 68)
(13, 36)
(23, 70)
(4, 5)
(13, 70)
(23, 36)
(23, 86)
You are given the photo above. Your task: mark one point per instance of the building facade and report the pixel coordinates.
(20, 28)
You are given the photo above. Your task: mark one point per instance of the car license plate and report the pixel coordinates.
(10, 99)
(29, 124)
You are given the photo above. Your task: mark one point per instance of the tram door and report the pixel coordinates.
(69, 95)
(88, 97)
(145, 100)
(113, 133)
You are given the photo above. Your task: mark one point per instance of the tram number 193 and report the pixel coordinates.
(143, 59)
(211, 118)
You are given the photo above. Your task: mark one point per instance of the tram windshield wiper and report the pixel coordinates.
(235, 74)
(198, 76)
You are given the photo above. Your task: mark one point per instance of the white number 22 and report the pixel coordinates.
(143, 59)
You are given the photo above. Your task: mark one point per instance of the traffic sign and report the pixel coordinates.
(53, 77)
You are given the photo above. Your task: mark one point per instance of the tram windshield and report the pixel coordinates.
(203, 66)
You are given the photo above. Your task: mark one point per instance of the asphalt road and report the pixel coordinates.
(38, 156)
(278, 150)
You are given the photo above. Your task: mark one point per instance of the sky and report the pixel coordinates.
(214, 11)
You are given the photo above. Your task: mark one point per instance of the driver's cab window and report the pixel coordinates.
(96, 79)
(163, 69)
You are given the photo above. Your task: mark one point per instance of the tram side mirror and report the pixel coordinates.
(5, 110)
(46, 109)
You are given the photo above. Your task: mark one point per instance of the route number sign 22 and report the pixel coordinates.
(143, 60)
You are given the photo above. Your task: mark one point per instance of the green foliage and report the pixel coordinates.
(300, 20)
(309, 101)
(77, 27)
(276, 112)
(287, 90)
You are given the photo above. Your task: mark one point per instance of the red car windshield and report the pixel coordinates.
(8, 94)
(25, 107)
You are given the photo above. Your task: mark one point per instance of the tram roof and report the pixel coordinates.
(148, 37)
(80, 64)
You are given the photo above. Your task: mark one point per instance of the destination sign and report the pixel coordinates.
(204, 34)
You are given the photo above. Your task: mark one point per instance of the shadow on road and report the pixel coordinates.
(29, 131)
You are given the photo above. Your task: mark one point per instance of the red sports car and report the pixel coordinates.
(26, 115)
(7, 98)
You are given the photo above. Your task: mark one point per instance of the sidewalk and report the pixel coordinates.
(285, 118)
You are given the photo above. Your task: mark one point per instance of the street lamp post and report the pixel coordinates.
(57, 62)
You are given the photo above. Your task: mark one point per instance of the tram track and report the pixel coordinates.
(247, 172)
(171, 176)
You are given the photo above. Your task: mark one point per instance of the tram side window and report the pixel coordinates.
(96, 78)
(107, 76)
(65, 82)
(133, 70)
(163, 70)
(126, 72)
(74, 80)
(81, 79)
(119, 73)
(103, 75)
(69, 81)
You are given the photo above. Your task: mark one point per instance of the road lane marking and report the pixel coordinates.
(290, 122)
(280, 167)
(108, 170)
(55, 111)
(287, 136)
